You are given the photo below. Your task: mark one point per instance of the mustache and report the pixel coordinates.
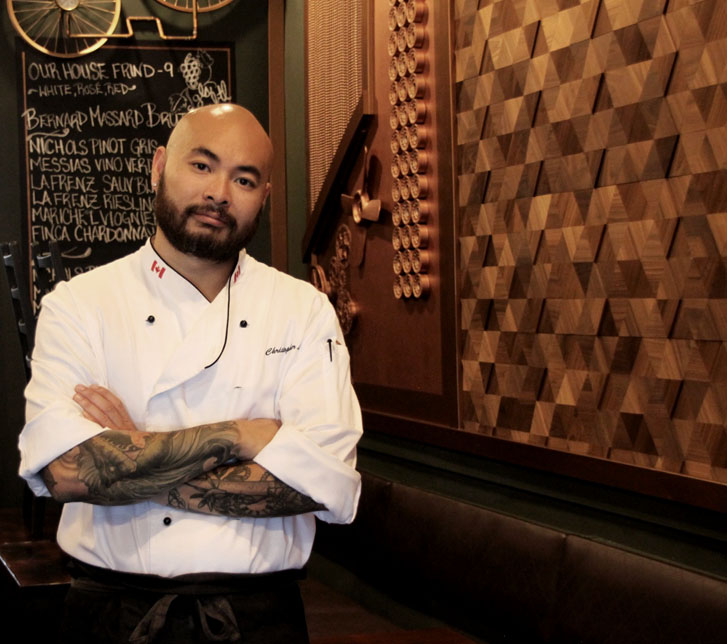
(219, 212)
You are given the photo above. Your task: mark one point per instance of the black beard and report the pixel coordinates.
(173, 224)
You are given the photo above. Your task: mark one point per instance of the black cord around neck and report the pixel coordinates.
(227, 323)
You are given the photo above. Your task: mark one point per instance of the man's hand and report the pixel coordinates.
(104, 408)
(254, 435)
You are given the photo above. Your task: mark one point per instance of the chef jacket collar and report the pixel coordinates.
(207, 320)
(163, 278)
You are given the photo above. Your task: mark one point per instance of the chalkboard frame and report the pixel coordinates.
(89, 187)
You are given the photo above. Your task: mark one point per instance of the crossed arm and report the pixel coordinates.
(205, 469)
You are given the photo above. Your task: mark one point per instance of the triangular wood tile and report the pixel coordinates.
(614, 392)
(706, 442)
(489, 410)
(569, 314)
(699, 360)
(648, 360)
(471, 188)
(467, 161)
(509, 47)
(515, 414)
(617, 14)
(713, 409)
(570, 173)
(637, 284)
(568, 100)
(467, 309)
(517, 154)
(627, 431)
(465, 64)
(490, 155)
(539, 278)
(711, 70)
(577, 351)
(567, 27)
(484, 90)
(465, 92)
(471, 381)
(488, 345)
(718, 227)
(464, 9)
(657, 36)
(707, 193)
(508, 15)
(548, 318)
(583, 272)
(542, 418)
(469, 125)
(521, 211)
(568, 62)
(522, 350)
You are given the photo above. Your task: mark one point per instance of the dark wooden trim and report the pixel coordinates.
(442, 407)
(447, 181)
(676, 487)
(276, 118)
(367, 57)
(341, 166)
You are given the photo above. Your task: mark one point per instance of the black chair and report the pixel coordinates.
(15, 270)
(49, 271)
(34, 565)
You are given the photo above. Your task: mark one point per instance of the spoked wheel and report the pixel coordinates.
(203, 6)
(48, 25)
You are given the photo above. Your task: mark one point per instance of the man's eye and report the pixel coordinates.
(244, 181)
(199, 165)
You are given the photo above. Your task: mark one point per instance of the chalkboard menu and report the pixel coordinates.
(89, 130)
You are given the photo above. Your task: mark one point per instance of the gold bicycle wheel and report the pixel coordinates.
(46, 24)
(203, 6)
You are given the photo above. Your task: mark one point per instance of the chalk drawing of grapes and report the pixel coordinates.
(196, 70)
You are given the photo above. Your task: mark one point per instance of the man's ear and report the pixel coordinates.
(267, 193)
(157, 165)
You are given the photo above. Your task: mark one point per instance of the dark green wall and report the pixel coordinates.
(244, 22)
(296, 183)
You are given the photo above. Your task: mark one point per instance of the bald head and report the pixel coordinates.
(231, 125)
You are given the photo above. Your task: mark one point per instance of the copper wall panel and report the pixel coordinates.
(592, 210)
(403, 350)
(398, 345)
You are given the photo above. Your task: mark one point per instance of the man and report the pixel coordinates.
(192, 408)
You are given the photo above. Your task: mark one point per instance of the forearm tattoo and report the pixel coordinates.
(118, 467)
(241, 490)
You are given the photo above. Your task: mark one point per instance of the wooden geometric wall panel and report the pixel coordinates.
(592, 213)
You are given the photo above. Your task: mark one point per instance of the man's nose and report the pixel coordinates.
(217, 190)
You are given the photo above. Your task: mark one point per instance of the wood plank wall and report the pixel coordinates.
(592, 215)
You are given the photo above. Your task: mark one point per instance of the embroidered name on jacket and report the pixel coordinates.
(272, 350)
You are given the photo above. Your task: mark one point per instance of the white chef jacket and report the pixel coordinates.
(278, 353)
